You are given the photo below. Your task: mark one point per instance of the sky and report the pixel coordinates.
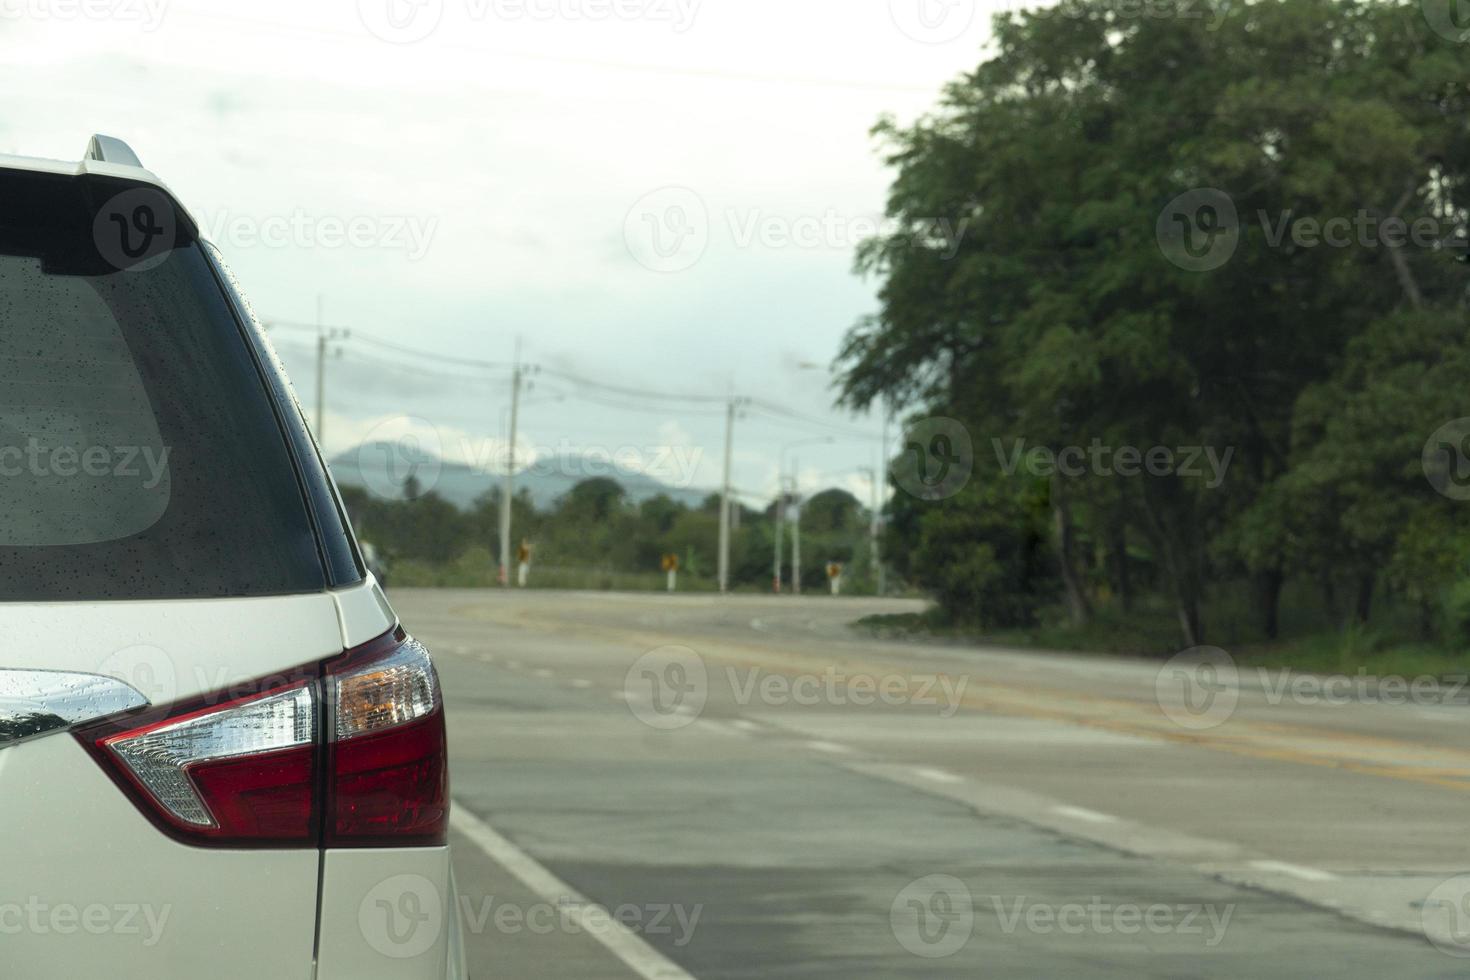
(661, 196)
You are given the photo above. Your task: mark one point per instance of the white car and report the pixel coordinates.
(220, 754)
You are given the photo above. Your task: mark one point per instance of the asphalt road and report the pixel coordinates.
(672, 786)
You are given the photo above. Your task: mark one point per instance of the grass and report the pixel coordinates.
(1310, 642)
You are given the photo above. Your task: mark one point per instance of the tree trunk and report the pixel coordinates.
(1189, 620)
(1079, 610)
(1268, 600)
(1364, 608)
(1123, 583)
(1170, 522)
(1329, 597)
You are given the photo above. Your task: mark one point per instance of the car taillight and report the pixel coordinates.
(387, 779)
(350, 753)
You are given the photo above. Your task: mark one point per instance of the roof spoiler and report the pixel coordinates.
(110, 149)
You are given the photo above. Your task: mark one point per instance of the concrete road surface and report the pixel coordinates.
(677, 786)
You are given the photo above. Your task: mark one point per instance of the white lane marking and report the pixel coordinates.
(1082, 813)
(622, 942)
(619, 694)
(513, 664)
(543, 672)
(721, 727)
(746, 725)
(831, 747)
(938, 775)
(489, 658)
(581, 683)
(759, 626)
(1294, 870)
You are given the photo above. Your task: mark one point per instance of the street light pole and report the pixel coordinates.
(795, 508)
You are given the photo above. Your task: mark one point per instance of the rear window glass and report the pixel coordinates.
(140, 456)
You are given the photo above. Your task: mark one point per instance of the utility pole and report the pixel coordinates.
(874, 548)
(725, 497)
(880, 493)
(508, 491)
(796, 527)
(780, 531)
(324, 338)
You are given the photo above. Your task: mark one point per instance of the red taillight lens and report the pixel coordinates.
(389, 781)
(351, 754)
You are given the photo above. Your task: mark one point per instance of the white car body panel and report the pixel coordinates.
(215, 913)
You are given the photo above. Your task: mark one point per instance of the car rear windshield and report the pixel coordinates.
(140, 455)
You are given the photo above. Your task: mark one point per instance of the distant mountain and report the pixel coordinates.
(383, 467)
